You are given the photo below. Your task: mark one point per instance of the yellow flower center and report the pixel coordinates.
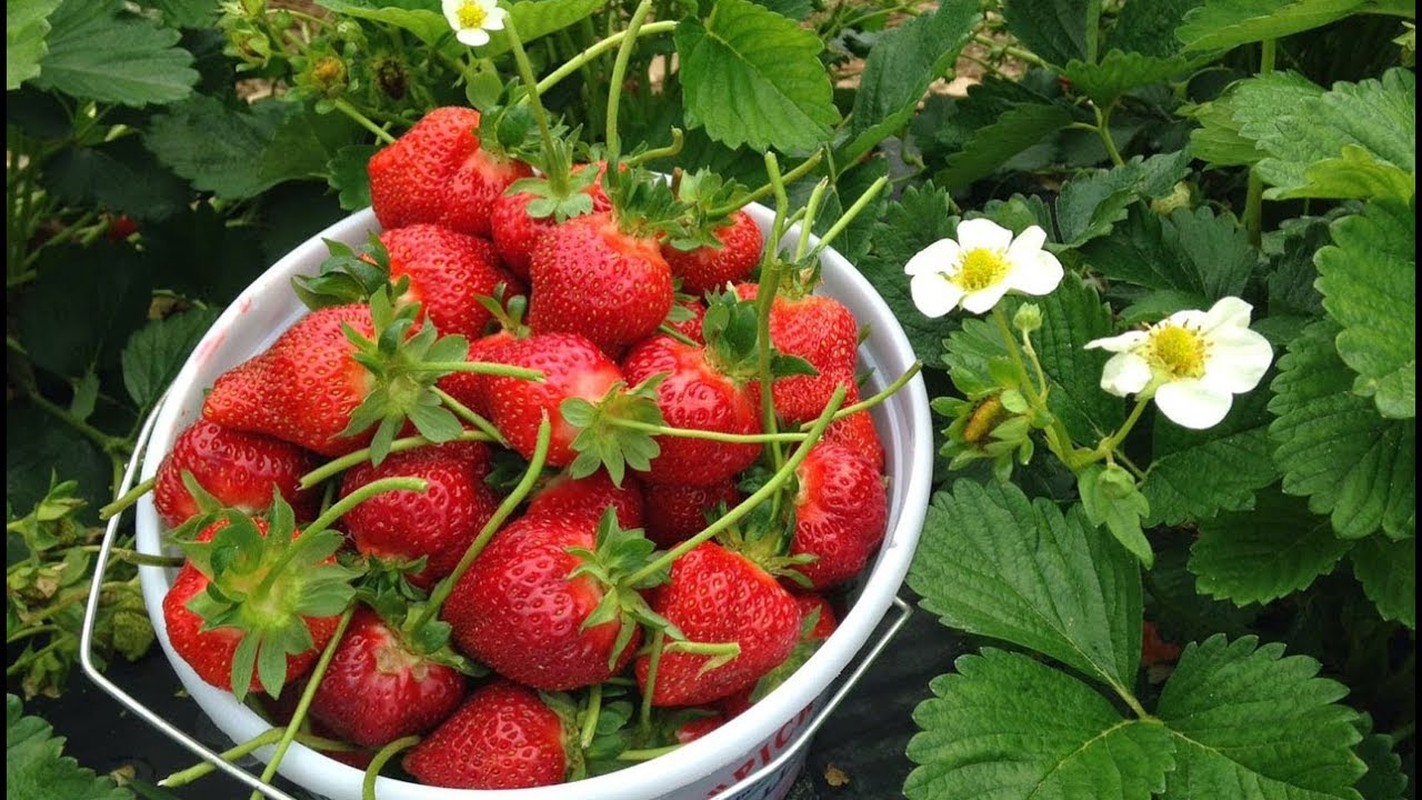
(980, 269)
(1180, 350)
(472, 15)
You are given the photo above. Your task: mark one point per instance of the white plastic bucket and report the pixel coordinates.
(712, 765)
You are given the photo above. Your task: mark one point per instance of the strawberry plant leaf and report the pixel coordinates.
(535, 20)
(26, 30)
(1090, 205)
(1056, 30)
(1149, 28)
(215, 146)
(1072, 316)
(1251, 723)
(794, 9)
(1368, 278)
(1119, 73)
(77, 315)
(996, 564)
(156, 352)
(185, 13)
(1260, 556)
(1385, 779)
(1333, 446)
(1254, 102)
(35, 764)
(985, 734)
(415, 16)
(921, 216)
(1312, 146)
(1224, 24)
(100, 51)
(898, 70)
(1194, 253)
(752, 77)
(346, 173)
(1388, 572)
(991, 146)
(1197, 474)
(120, 176)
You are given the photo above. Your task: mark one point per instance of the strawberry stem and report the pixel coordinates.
(378, 762)
(557, 178)
(362, 120)
(470, 416)
(668, 330)
(304, 703)
(660, 152)
(121, 504)
(770, 280)
(877, 398)
(597, 48)
(503, 512)
(589, 731)
(647, 755)
(615, 88)
(714, 436)
(848, 216)
(345, 462)
(269, 736)
(801, 170)
(659, 642)
(480, 367)
(355, 498)
(812, 208)
(743, 508)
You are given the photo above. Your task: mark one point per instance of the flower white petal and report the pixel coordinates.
(974, 234)
(1193, 403)
(474, 37)
(1227, 312)
(933, 294)
(451, 11)
(1119, 344)
(937, 257)
(1126, 373)
(497, 15)
(1238, 359)
(1027, 243)
(982, 301)
(1040, 275)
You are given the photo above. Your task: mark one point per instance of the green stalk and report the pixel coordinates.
(589, 731)
(382, 757)
(581, 60)
(345, 462)
(614, 91)
(875, 399)
(269, 736)
(302, 705)
(556, 174)
(364, 493)
(801, 170)
(503, 512)
(812, 208)
(1254, 199)
(711, 436)
(743, 508)
(470, 416)
(1103, 129)
(362, 120)
(765, 298)
(848, 216)
(108, 444)
(479, 367)
(1110, 443)
(647, 755)
(659, 641)
(130, 497)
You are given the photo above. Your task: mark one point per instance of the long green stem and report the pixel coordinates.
(128, 498)
(848, 216)
(765, 299)
(135, 557)
(1103, 129)
(470, 416)
(1015, 354)
(659, 642)
(504, 511)
(1016, 52)
(1110, 443)
(812, 209)
(302, 705)
(581, 60)
(557, 177)
(710, 436)
(619, 74)
(1058, 440)
(26, 633)
(108, 444)
(362, 120)
(1254, 199)
(876, 398)
(590, 717)
(23, 662)
(360, 495)
(382, 757)
(480, 368)
(771, 487)
(345, 462)
(269, 736)
(801, 170)
(647, 755)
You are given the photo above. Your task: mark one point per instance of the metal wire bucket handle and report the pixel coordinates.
(197, 748)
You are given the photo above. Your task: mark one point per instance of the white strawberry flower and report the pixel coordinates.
(1192, 362)
(983, 265)
(473, 19)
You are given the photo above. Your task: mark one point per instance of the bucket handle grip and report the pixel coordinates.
(802, 739)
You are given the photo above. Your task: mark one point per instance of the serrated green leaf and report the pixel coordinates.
(752, 77)
(1197, 474)
(80, 311)
(1194, 252)
(419, 17)
(1120, 510)
(986, 734)
(1260, 556)
(156, 352)
(1090, 205)
(1223, 24)
(1292, 273)
(303, 144)
(1378, 117)
(1334, 447)
(1385, 779)
(921, 216)
(1356, 174)
(347, 174)
(26, 30)
(215, 146)
(99, 51)
(1368, 278)
(1072, 316)
(535, 20)
(1181, 612)
(1252, 724)
(1388, 572)
(993, 563)
(1056, 30)
(186, 13)
(1149, 28)
(1118, 73)
(1251, 103)
(35, 764)
(900, 67)
(120, 176)
(1014, 131)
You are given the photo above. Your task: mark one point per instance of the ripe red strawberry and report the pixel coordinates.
(857, 432)
(589, 277)
(591, 496)
(821, 331)
(468, 387)
(290, 615)
(706, 268)
(303, 388)
(572, 366)
(522, 610)
(438, 523)
(238, 469)
(691, 327)
(675, 512)
(715, 596)
(695, 394)
(503, 737)
(448, 272)
(437, 172)
(375, 690)
(516, 233)
(841, 510)
(817, 623)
